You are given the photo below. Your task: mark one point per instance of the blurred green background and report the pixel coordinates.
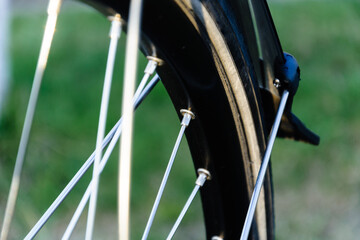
(317, 189)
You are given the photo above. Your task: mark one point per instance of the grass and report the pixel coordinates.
(316, 188)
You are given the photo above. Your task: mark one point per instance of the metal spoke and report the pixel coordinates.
(203, 176)
(78, 212)
(69, 186)
(104, 160)
(263, 167)
(115, 33)
(87, 165)
(53, 10)
(127, 113)
(187, 116)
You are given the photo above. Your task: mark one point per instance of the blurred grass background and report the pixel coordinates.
(317, 189)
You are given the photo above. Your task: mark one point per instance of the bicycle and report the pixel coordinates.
(228, 72)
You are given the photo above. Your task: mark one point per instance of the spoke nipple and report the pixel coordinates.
(115, 30)
(186, 111)
(188, 115)
(277, 83)
(203, 176)
(216, 238)
(152, 64)
(204, 171)
(155, 59)
(116, 17)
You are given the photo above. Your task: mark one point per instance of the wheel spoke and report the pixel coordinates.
(113, 134)
(78, 212)
(70, 186)
(106, 157)
(127, 113)
(115, 32)
(53, 10)
(203, 176)
(263, 167)
(187, 116)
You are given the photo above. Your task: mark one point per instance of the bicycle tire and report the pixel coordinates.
(208, 70)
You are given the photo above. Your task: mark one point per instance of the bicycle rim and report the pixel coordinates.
(225, 92)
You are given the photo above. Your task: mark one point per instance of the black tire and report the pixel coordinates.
(208, 70)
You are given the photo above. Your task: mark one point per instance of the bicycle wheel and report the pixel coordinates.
(207, 70)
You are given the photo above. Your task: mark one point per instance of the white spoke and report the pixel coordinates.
(87, 164)
(87, 193)
(188, 115)
(114, 36)
(53, 9)
(127, 113)
(263, 167)
(203, 176)
(103, 162)
(78, 213)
